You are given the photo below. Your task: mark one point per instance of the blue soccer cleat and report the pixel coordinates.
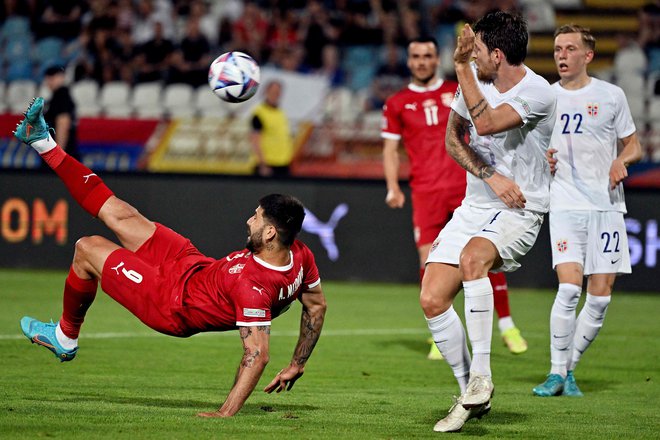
(552, 386)
(43, 333)
(570, 386)
(33, 127)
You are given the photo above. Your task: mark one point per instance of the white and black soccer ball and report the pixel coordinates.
(234, 77)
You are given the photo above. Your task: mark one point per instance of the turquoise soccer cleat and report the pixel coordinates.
(43, 333)
(33, 127)
(570, 386)
(552, 386)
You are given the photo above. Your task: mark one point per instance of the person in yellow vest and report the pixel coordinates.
(271, 136)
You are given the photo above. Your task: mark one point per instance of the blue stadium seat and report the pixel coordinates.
(14, 26)
(47, 53)
(360, 64)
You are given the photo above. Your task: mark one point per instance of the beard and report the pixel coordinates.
(483, 77)
(254, 241)
(426, 79)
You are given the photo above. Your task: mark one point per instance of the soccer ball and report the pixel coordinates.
(234, 77)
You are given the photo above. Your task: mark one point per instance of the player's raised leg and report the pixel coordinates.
(97, 199)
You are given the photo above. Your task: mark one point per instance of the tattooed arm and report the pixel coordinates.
(457, 147)
(255, 357)
(311, 322)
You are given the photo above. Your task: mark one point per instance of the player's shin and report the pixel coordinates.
(479, 323)
(449, 336)
(589, 323)
(562, 326)
(78, 296)
(84, 185)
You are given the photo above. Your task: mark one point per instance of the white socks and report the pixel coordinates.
(449, 336)
(66, 342)
(505, 324)
(562, 326)
(479, 322)
(588, 325)
(44, 145)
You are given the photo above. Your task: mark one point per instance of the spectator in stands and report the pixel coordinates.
(61, 18)
(154, 57)
(250, 30)
(390, 77)
(331, 65)
(191, 60)
(150, 12)
(123, 55)
(317, 30)
(61, 111)
(271, 138)
(649, 36)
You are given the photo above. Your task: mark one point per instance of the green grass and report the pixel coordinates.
(367, 379)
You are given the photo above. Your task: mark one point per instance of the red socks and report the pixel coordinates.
(78, 296)
(86, 187)
(500, 294)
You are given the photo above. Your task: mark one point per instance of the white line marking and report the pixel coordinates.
(324, 333)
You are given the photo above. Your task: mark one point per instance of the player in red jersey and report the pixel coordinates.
(161, 278)
(418, 115)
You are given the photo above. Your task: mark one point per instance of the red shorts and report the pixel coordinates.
(432, 211)
(149, 282)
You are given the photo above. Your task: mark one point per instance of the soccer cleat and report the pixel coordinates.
(434, 353)
(570, 386)
(43, 333)
(478, 392)
(458, 415)
(33, 127)
(552, 386)
(514, 340)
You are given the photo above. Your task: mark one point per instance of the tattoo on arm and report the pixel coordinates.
(460, 151)
(250, 355)
(310, 330)
(471, 109)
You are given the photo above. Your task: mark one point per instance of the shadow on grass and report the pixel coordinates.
(420, 345)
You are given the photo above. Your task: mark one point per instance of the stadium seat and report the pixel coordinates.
(177, 100)
(85, 95)
(114, 98)
(13, 27)
(3, 101)
(44, 91)
(207, 104)
(48, 52)
(146, 101)
(20, 94)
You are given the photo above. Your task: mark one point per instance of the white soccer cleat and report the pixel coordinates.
(478, 392)
(458, 415)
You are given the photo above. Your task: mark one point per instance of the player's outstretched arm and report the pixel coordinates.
(631, 153)
(311, 322)
(255, 357)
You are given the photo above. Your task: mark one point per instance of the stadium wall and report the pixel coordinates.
(351, 231)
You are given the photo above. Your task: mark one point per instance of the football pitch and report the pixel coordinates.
(367, 379)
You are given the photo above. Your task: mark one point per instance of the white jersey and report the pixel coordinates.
(519, 153)
(590, 121)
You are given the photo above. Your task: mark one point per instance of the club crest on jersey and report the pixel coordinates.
(525, 104)
(237, 268)
(412, 106)
(435, 244)
(447, 98)
(458, 93)
(592, 109)
(562, 245)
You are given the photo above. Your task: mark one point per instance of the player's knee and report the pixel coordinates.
(432, 302)
(84, 249)
(473, 265)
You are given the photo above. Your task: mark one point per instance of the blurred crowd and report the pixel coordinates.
(174, 41)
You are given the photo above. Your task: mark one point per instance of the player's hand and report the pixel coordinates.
(464, 45)
(285, 379)
(552, 160)
(507, 190)
(395, 198)
(618, 172)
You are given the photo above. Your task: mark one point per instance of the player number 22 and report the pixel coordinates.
(612, 239)
(566, 119)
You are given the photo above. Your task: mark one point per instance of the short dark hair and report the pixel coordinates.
(54, 70)
(425, 39)
(506, 32)
(587, 39)
(284, 212)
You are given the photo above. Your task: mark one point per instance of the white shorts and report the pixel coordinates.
(595, 239)
(512, 231)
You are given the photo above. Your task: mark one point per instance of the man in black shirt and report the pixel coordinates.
(61, 111)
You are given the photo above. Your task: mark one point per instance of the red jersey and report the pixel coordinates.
(418, 116)
(243, 290)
